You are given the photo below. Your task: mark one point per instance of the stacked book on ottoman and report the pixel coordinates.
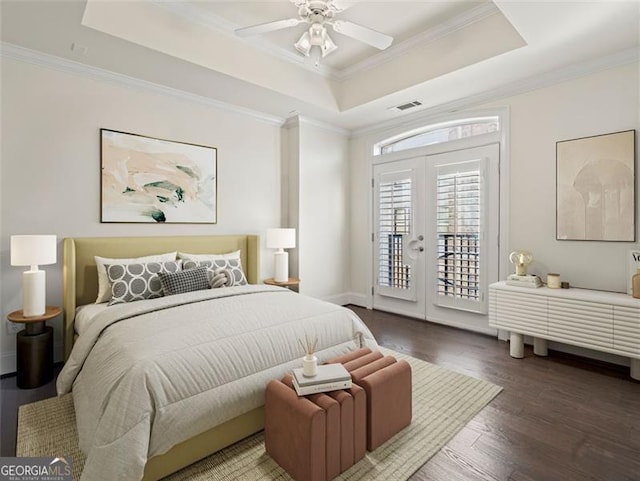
(330, 377)
(318, 436)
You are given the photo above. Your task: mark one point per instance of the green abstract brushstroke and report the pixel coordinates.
(128, 189)
(187, 170)
(166, 185)
(162, 198)
(156, 214)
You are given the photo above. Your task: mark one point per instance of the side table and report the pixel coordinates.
(34, 348)
(293, 283)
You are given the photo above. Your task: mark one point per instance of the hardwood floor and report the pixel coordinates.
(559, 418)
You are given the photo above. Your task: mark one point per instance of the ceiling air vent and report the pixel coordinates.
(406, 106)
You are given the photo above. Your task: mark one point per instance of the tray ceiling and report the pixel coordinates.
(442, 51)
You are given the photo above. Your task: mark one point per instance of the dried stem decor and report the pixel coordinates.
(309, 345)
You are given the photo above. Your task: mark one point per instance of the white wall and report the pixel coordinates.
(50, 180)
(602, 102)
(360, 175)
(319, 209)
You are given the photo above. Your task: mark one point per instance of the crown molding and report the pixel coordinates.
(52, 62)
(298, 120)
(624, 57)
(441, 30)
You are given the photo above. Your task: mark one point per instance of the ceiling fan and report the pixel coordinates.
(318, 14)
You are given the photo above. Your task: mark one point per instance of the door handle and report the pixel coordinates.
(420, 237)
(413, 245)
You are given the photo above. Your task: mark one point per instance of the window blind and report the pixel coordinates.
(459, 231)
(395, 214)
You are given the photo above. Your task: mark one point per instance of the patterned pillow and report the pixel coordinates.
(221, 278)
(184, 281)
(104, 287)
(135, 282)
(232, 265)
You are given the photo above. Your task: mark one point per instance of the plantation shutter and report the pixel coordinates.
(395, 214)
(460, 236)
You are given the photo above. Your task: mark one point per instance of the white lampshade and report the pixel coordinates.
(281, 238)
(33, 250)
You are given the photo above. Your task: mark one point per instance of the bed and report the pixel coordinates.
(181, 347)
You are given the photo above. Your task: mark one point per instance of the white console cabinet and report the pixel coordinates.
(598, 320)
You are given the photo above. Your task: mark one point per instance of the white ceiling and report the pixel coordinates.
(443, 51)
(416, 17)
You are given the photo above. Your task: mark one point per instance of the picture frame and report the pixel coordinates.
(595, 188)
(150, 180)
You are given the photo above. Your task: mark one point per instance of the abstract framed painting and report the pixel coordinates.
(595, 188)
(151, 180)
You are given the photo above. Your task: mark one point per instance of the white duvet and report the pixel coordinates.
(150, 374)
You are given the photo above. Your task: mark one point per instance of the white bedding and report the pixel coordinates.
(84, 315)
(150, 374)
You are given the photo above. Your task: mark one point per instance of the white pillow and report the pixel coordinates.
(208, 257)
(104, 286)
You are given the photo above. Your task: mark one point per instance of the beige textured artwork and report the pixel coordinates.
(596, 188)
(152, 180)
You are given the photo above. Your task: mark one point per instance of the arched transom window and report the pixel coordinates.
(438, 133)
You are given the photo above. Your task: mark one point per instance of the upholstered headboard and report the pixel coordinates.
(80, 275)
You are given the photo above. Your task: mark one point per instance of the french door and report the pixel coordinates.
(436, 235)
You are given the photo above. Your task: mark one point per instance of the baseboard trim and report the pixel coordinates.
(345, 298)
(360, 300)
(339, 299)
(8, 361)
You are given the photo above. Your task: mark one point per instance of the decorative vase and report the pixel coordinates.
(635, 282)
(309, 365)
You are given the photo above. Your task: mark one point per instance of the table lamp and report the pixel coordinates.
(281, 239)
(521, 259)
(33, 250)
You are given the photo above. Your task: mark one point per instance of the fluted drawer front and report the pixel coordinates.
(626, 329)
(493, 307)
(581, 322)
(522, 313)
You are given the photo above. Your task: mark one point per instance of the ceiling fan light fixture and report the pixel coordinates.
(318, 14)
(328, 46)
(317, 34)
(303, 45)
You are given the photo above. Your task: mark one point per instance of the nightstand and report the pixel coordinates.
(34, 348)
(293, 283)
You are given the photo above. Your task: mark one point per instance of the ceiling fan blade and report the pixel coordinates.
(267, 27)
(342, 5)
(364, 34)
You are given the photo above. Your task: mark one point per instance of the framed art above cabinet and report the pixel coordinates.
(595, 190)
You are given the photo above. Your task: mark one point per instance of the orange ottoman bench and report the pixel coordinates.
(314, 437)
(387, 383)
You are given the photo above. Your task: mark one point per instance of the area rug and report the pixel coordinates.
(443, 402)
